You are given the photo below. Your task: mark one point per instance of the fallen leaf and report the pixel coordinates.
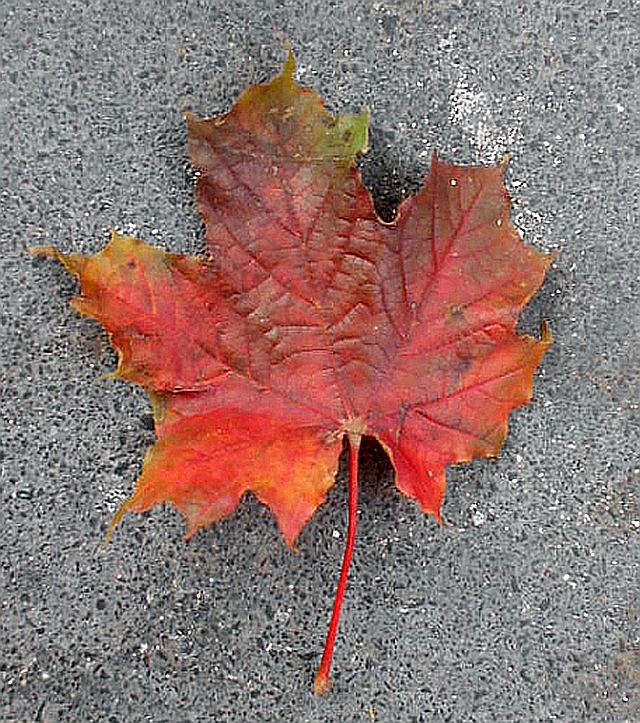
(313, 319)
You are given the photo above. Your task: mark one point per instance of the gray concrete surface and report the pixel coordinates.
(527, 607)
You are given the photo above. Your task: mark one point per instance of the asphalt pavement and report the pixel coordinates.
(526, 605)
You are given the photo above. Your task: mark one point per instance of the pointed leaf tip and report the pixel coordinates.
(289, 67)
(117, 518)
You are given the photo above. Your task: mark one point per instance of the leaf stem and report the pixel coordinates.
(322, 684)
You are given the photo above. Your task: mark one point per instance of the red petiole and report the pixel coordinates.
(322, 683)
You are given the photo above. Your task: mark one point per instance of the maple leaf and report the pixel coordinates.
(312, 319)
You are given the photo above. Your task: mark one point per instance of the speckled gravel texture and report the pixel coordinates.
(526, 607)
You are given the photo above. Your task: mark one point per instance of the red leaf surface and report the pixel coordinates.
(312, 319)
